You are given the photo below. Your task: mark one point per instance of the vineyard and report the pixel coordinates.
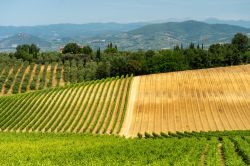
(215, 99)
(19, 77)
(179, 118)
(198, 100)
(89, 107)
(214, 148)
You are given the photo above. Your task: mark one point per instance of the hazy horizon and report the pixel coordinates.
(45, 12)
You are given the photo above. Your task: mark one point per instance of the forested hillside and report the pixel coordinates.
(128, 37)
(29, 69)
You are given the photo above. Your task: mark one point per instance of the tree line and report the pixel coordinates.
(112, 62)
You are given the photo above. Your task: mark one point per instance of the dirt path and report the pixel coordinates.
(14, 81)
(48, 73)
(2, 72)
(39, 77)
(6, 80)
(27, 70)
(131, 103)
(0, 78)
(54, 80)
(31, 77)
(203, 155)
(222, 159)
(62, 83)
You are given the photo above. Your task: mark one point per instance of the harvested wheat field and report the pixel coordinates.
(197, 100)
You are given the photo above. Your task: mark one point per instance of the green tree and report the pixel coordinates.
(98, 55)
(87, 50)
(149, 54)
(111, 49)
(217, 55)
(103, 70)
(241, 42)
(246, 57)
(191, 46)
(34, 50)
(90, 71)
(72, 48)
(27, 52)
(232, 55)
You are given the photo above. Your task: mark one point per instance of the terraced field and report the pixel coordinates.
(197, 100)
(92, 107)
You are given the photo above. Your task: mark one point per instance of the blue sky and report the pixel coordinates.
(39, 12)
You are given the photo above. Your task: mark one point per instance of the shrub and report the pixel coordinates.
(139, 135)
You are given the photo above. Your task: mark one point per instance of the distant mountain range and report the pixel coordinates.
(22, 38)
(242, 23)
(127, 36)
(168, 35)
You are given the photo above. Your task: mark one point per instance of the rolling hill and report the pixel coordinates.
(95, 107)
(60, 34)
(198, 100)
(168, 35)
(132, 36)
(22, 38)
(215, 99)
(68, 30)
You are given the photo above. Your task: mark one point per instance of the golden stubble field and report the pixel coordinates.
(197, 100)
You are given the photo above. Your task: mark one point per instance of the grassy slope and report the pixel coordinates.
(75, 149)
(60, 109)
